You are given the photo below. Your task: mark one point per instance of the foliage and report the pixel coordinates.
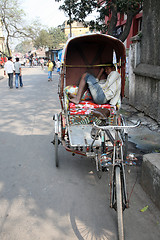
(51, 38)
(57, 37)
(42, 39)
(23, 47)
(12, 17)
(78, 10)
(32, 31)
(45, 38)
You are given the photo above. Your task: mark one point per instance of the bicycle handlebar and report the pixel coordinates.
(118, 127)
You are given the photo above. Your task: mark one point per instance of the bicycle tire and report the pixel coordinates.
(125, 146)
(119, 206)
(56, 149)
(124, 136)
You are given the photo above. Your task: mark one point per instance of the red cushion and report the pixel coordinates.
(85, 107)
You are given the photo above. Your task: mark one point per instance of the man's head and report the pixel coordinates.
(109, 68)
(17, 59)
(10, 58)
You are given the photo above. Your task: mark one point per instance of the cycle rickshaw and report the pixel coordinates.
(74, 124)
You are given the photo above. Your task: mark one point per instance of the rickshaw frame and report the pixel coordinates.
(88, 53)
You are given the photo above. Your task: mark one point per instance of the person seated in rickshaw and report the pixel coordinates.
(107, 92)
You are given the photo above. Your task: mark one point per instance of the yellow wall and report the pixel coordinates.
(77, 29)
(2, 39)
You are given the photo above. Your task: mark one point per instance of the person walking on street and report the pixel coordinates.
(58, 65)
(54, 64)
(42, 63)
(31, 60)
(50, 69)
(18, 73)
(9, 69)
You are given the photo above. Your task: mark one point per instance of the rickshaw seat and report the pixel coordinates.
(84, 113)
(86, 107)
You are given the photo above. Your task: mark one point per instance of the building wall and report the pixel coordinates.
(150, 43)
(2, 45)
(147, 90)
(147, 73)
(2, 39)
(77, 29)
(54, 54)
(135, 28)
(134, 60)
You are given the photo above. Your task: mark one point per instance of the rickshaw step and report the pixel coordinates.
(90, 154)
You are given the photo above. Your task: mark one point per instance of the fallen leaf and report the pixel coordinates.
(144, 209)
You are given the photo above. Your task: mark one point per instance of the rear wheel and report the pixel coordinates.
(119, 206)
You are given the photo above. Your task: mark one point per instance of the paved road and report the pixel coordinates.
(40, 202)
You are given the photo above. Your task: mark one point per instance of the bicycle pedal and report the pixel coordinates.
(105, 162)
(131, 159)
(105, 169)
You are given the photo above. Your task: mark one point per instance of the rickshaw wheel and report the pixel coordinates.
(125, 146)
(124, 136)
(56, 149)
(119, 203)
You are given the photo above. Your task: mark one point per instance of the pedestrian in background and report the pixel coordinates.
(42, 63)
(31, 60)
(58, 65)
(9, 69)
(54, 64)
(50, 69)
(18, 73)
(27, 62)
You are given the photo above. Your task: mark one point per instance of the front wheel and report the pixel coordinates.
(56, 149)
(119, 203)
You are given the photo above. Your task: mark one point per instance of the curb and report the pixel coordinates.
(150, 176)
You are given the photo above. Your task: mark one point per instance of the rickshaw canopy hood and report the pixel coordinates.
(89, 52)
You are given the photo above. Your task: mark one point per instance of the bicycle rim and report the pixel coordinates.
(56, 150)
(119, 204)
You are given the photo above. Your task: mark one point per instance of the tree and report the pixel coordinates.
(106, 8)
(23, 47)
(42, 39)
(12, 17)
(69, 7)
(32, 30)
(57, 37)
(51, 38)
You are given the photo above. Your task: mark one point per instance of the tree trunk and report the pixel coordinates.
(113, 21)
(127, 28)
(70, 20)
(70, 26)
(8, 48)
